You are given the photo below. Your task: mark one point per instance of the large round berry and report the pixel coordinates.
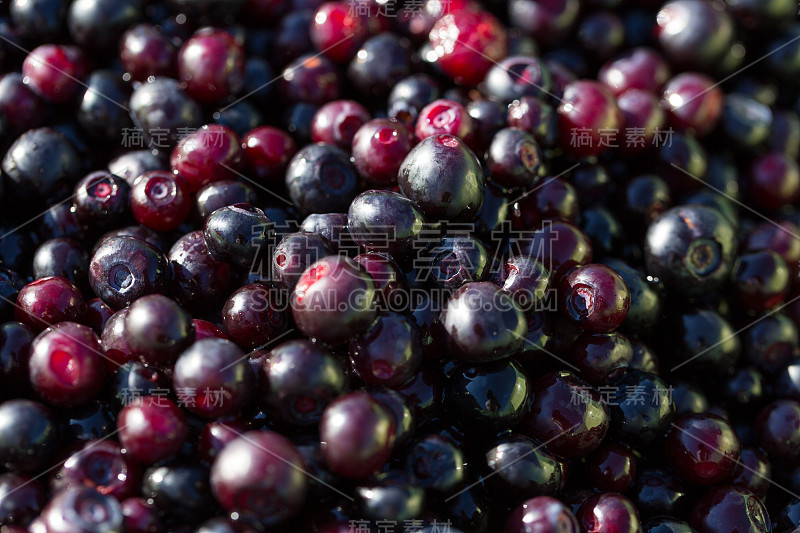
(334, 300)
(481, 323)
(158, 329)
(690, 248)
(444, 178)
(357, 435)
(703, 449)
(214, 377)
(212, 153)
(260, 476)
(595, 298)
(152, 428)
(211, 65)
(66, 364)
(568, 414)
(467, 43)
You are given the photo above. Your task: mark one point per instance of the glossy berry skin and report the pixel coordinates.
(536, 117)
(693, 33)
(774, 181)
(102, 199)
(103, 466)
(101, 118)
(234, 233)
(778, 427)
(454, 261)
(587, 106)
(219, 366)
(598, 354)
(48, 301)
(436, 463)
(54, 71)
(158, 329)
(333, 300)
(152, 428)
(489, 397)
(321, 179)
(609, 511)
(81, 510)
(66, 365)
(657, 492)
(516, 77)
(640, 68)
(514, 158)
(385, 221)
(29, 437)
(131, 165)
(391, 281)
(140, 517)
(645, 309)
(300, 378)
(21, 106)
(179, 490)
(160, 200)
(693, 103)
(703, 449)
(482, 323)
(338, 31)
(252, 316)
(760, 280)
(612, 467)
(526, 280)
(163, 104)
(337, 122)
(393, 495)
(542, 514)
(357, 435)
(145, 51)
(771, 343)
(379, 147)
(200, 280)
(267, 151)
(113, 340)
(690, 248)
(468, 42)
(383, 60)
(260, 476)
(559, 246)
(211, 64)
(445, 117)
(204, 329)
(639, 423)
(595, 298)
(568, 414)
(223, 193)
(293, 254)
(519, 467)
(311, 79)
(643, 118)
(43, 174)
(389, 352)
(730, 508)
(456, 193)
(753, 472)
(410, 95)
(210, 154)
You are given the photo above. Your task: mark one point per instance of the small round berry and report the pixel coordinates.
(357, 435)
(595, 298)
(152, 428)
(66, 364)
